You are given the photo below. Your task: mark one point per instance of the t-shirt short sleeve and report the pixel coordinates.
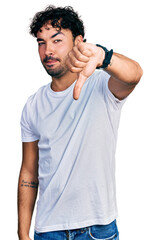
(112, 102)
(27, 132)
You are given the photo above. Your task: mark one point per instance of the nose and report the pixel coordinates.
(49, 50)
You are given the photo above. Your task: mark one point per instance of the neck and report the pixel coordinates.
(64, 82)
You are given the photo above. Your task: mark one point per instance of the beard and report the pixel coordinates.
(59, 71)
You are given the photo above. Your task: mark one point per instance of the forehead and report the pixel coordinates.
(47, 30)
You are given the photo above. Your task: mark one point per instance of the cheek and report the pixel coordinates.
(41, 53)
(65, 49)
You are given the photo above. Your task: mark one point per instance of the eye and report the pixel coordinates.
(57, 40)
(40, 43)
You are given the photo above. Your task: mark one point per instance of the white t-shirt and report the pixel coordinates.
(77, 142)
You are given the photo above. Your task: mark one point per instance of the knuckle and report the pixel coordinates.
(70, 54)
(87, 52)
(73, 62)
(80, 44)
(80, 57)
(72, 69)
(76, 62)
(75, 48)
(75, 69)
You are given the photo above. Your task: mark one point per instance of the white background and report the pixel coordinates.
(130, 28)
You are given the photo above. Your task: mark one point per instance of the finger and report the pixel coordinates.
(79, 56)
(72, 68)
(79, 84)
(83, 50)
(75, 62)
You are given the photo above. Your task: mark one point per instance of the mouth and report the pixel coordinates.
(50, 61)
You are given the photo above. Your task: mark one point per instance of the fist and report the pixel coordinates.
(83, 60)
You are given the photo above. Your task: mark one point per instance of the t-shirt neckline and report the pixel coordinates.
(61, 93)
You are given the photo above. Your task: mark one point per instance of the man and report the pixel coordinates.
(69, 145)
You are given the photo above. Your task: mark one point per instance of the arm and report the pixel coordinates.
(85, 57)
(27, 188)
(125, 74)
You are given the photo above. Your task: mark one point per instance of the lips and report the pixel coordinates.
(50, 60)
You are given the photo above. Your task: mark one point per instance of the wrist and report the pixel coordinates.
(101, 57)
(23, 236)
(106, 57)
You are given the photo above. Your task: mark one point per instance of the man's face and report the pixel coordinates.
(54, 47)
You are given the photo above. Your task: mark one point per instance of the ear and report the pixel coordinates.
(78, 39)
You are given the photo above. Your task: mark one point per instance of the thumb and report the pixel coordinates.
(78, 86)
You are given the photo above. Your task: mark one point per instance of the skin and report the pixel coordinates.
(57, 45)
(125, 73)
(27, 195)
(76, 60)
(67, 60)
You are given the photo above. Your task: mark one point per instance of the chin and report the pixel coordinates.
(57, 73)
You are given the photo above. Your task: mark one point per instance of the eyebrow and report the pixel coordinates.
(53, 36)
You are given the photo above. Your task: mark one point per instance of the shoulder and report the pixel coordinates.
(100, 78)
(35, 97)
(100, 75)
(33, 101)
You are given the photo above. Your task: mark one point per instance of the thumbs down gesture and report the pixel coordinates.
(83, 59)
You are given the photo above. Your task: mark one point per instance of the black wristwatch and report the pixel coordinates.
(108, 56)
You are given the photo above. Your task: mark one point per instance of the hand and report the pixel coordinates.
(83, 60)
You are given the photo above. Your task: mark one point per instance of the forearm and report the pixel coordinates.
(86, 57)
(27, 193)
(124, 69)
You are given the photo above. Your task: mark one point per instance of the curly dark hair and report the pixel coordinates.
(61, 17)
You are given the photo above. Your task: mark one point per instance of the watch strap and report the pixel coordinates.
(108, 56)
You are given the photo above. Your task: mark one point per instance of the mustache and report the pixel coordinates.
(47, 58)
